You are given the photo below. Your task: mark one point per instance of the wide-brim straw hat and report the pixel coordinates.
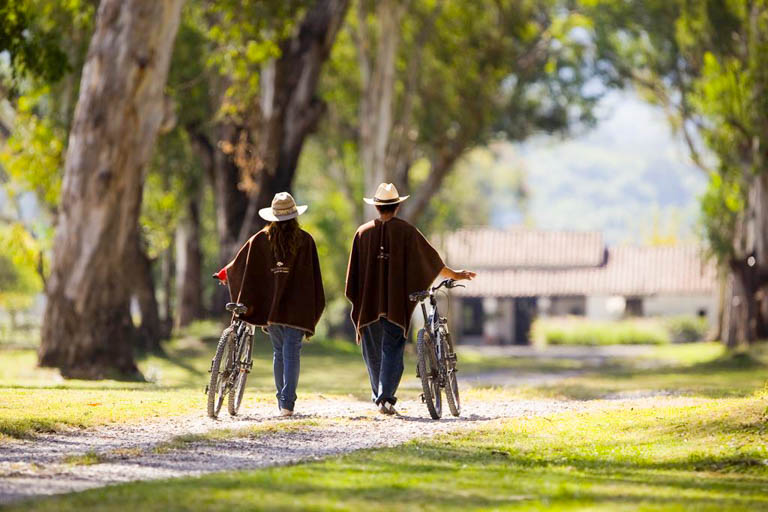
(385, 194)
(283, 208)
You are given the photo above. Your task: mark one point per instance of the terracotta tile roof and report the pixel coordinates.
(628, 271)
(522, 248)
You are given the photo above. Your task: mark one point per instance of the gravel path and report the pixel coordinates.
(325, 427)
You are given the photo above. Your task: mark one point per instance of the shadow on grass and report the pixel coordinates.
(438, 479)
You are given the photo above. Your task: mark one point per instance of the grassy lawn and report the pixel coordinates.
(36, 399)
(690, 454)
(703, 448)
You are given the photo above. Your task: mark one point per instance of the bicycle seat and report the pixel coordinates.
(417, 296)
(236, 308)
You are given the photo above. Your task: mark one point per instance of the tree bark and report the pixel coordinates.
(150, 331)
(189, 288)
(87, 328)
(377, 101)
(289, 108)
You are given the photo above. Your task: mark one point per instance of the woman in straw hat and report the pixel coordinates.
(390, 259)
(279, 273)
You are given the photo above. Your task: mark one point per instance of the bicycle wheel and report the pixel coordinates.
(451, 383)
(236, 393)
(430, 382)
(220, 370)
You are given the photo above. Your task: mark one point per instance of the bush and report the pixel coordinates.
(686, 328)
(581, 331)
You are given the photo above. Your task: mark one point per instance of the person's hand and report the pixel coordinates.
(465, 274)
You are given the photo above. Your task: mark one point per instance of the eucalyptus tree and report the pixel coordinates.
(427, 80)
(267, 102)
(87, 329)
(705, 62)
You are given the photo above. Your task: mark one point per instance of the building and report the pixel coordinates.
(523, 273)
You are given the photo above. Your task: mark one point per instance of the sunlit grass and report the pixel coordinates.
(34, 399)
(701, 455)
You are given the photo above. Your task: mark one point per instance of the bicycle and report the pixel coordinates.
(436, 364)
(231, 364)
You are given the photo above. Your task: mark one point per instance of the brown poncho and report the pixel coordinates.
(389, 261)
(278, 292)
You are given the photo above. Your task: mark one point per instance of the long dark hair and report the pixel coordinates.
(284, 237)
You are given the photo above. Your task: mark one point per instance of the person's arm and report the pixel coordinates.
(457, 275)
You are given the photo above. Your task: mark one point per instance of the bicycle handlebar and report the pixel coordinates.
(447, 283)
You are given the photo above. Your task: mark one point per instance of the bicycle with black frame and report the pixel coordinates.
(231, 364)
(436, 364)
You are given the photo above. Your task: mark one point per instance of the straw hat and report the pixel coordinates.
(385, 194)
(283, 208)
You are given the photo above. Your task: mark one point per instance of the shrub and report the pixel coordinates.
(581, 331)
(686, 328)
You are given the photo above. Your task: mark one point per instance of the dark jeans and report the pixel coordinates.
(286, 345)
(383, 347)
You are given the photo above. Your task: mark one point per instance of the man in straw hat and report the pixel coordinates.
(390, 259)
(277, 275)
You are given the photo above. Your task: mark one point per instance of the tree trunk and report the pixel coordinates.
(740, 307)
(377, 101)
(166, 279)
(87, 327)
(290, 110)
(189, 288)
(150, 332)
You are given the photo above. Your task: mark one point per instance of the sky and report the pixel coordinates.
(621, 177)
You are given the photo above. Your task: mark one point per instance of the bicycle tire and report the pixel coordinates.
(429, 385)
(215, 394)
(451, 383)
(236, 392)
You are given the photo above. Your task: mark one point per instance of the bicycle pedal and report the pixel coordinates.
(423, 400)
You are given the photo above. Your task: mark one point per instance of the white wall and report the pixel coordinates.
(607, 307)
(667, 305)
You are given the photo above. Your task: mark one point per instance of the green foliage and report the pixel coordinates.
(581, 331)
(19, 259)
(245, 34)
(34, 46)
(706, 63)
(721, 205)
(173, 179)
(632, 331)
(331, 218)
(33, 156)
(686, 328)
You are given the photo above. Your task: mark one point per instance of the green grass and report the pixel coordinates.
(36, 399)
(85, 459)
(695, 455)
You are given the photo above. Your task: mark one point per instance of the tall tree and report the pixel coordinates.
(705, 62)
(265, 103)
(436, 78)
(87, 328)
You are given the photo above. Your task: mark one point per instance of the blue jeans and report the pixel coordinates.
(286, 345)
(383, 348)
